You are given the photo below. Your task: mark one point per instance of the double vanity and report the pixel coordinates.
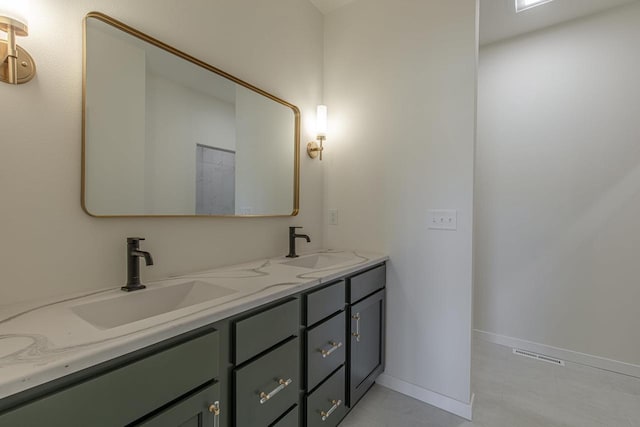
(277, 342)
(289, 341)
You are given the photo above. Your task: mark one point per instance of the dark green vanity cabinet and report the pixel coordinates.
(301, 361)
(267, 372)
(367, 330)
(325, 355)
(169, 384)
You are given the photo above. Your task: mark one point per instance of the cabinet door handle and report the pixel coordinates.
(335, 404)
(214, 408)
(281, 385)
(334, 346)
(357, 332)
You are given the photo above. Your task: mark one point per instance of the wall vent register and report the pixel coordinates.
(536, 356)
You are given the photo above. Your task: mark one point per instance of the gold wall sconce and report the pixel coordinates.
(313, 149)
(16, 65)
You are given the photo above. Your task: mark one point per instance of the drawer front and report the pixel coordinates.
(128, 393)
(263, 330)
(326, 349)
(324, 302)
(327, 402)
(292, 419)
(263, 390)
(367, 283)
(192, 411)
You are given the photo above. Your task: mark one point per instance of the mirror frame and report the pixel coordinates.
(170, 49)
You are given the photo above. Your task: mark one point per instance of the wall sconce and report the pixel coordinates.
(16, 65)
(321, 124)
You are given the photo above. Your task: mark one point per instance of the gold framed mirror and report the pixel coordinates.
(166, 134)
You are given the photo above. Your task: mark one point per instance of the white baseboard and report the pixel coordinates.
(561, 353)
(448, 404)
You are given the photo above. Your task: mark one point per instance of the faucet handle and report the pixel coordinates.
(134, 239)
(293, 228)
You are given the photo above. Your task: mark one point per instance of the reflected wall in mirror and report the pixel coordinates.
(165, 134)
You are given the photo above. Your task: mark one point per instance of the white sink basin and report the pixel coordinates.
(317, 261)
(138, 305)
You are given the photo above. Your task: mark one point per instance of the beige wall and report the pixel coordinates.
(400, 86)
(558, 188)
(49, 245)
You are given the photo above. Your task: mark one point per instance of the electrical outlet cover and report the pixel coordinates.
(333, 216)
(442, 219)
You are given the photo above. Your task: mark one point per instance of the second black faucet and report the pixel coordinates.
(133, 265)
(292, 241)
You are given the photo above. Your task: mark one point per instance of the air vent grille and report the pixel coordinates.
(536, 356)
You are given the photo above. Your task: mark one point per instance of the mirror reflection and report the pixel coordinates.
(165, 134)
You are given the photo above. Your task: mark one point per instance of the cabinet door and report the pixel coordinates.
(366, 344)
(201, 409)
(121, 396)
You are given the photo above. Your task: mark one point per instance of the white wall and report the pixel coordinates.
(400, 86)
(558, 187)
(49, 245)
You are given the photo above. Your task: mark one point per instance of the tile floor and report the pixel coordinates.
(513, 391)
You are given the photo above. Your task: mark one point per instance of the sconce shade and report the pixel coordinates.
(321, 121)
(313, 149)
(19, 26)
(16, 11)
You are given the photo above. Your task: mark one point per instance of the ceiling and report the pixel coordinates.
(499, 21)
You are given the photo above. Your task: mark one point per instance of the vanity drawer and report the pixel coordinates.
(324, 302)
(292, 419)
(327, 402)
(263, 330)
(192, 411)
(125, 394)
(268, 386)
(367, 283)
(326, 349)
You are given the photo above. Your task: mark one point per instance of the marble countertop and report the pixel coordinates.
(46, 340)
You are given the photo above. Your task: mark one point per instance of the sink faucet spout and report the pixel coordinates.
(143, 254)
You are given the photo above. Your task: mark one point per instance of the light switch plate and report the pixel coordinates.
(333, 216)
(443, 219)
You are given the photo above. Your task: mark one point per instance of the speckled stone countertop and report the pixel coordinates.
(46, 340)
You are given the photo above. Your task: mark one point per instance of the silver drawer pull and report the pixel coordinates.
(334, 346)
(282, 384)
(214, 408)
(356, 334)
(335, 404)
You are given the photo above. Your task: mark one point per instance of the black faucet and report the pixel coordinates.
(292, 241)
(133, 265)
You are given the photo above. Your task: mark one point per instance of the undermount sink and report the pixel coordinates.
(131, 307)
(317, 261)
